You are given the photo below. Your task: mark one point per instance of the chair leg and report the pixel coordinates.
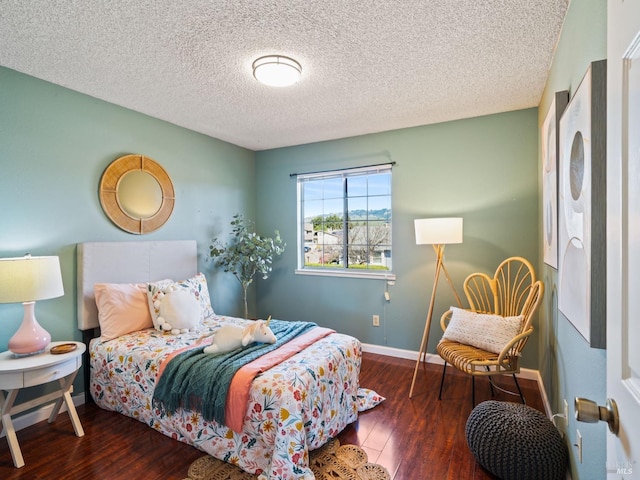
(493, 393)
(444, 370)
(473, 391)
(518, 387)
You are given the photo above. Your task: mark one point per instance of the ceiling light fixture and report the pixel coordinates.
(277, 70)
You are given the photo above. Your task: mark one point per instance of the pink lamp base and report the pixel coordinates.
(31, 338)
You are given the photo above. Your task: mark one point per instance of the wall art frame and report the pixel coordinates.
(550, 148)
(582, 276)
(128, 219)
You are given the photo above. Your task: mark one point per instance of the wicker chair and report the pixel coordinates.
(512, 291)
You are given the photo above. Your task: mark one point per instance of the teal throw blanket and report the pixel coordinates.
(195, 380)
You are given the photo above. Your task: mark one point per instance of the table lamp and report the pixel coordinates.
(26, 280)
(436, 232)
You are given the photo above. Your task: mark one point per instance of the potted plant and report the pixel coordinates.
(246, 254)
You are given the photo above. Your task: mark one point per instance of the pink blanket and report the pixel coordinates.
(238, 394)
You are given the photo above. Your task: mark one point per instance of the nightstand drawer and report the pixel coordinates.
(11, 380)
(48, 374)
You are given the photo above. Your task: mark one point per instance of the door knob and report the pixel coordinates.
(588, 411)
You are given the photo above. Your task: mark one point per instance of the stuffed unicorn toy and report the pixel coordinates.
(231, 337)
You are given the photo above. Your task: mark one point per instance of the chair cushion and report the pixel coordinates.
(488, 332)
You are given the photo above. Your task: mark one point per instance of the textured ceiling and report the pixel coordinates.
(368, 65)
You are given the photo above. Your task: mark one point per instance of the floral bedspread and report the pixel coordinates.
(293, 408)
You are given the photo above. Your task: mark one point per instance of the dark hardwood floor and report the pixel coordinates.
(418, 438)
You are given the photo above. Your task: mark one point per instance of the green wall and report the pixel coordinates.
(568, 366)
(483, 169)
(54, 146)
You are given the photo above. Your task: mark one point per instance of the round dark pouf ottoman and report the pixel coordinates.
(516, 442)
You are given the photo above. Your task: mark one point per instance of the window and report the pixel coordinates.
(345, 221)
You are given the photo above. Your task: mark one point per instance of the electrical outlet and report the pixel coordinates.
(566, 414)
(376, 320)
(578, 445)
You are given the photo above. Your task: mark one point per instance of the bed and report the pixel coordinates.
(292, 408)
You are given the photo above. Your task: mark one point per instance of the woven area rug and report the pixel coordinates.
(330, 462)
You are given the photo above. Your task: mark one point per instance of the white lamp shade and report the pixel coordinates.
(27, 279)
(276, 70)
(438, 231)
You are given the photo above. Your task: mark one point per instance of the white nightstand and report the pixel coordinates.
(24, 372)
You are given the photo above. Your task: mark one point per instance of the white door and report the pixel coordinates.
(623, 238)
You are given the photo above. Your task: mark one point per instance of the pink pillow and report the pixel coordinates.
(122, 308)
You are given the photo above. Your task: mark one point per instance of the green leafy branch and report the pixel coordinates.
(246, 254)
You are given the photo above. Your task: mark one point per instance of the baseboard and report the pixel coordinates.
(526, 373)
(40, 414)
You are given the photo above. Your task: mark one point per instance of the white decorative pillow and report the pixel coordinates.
(178, 311)
(197, 288)
(488, 332)
(122, 308)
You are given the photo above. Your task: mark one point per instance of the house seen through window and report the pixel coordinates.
(345, 220)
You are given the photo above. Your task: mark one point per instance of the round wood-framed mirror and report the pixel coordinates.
(137, 194)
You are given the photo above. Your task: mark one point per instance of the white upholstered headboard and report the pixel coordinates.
(129, 262)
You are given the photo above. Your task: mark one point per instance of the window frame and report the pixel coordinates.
(343, 174)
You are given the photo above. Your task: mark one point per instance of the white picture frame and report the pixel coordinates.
(550, 151)
(582, 208)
